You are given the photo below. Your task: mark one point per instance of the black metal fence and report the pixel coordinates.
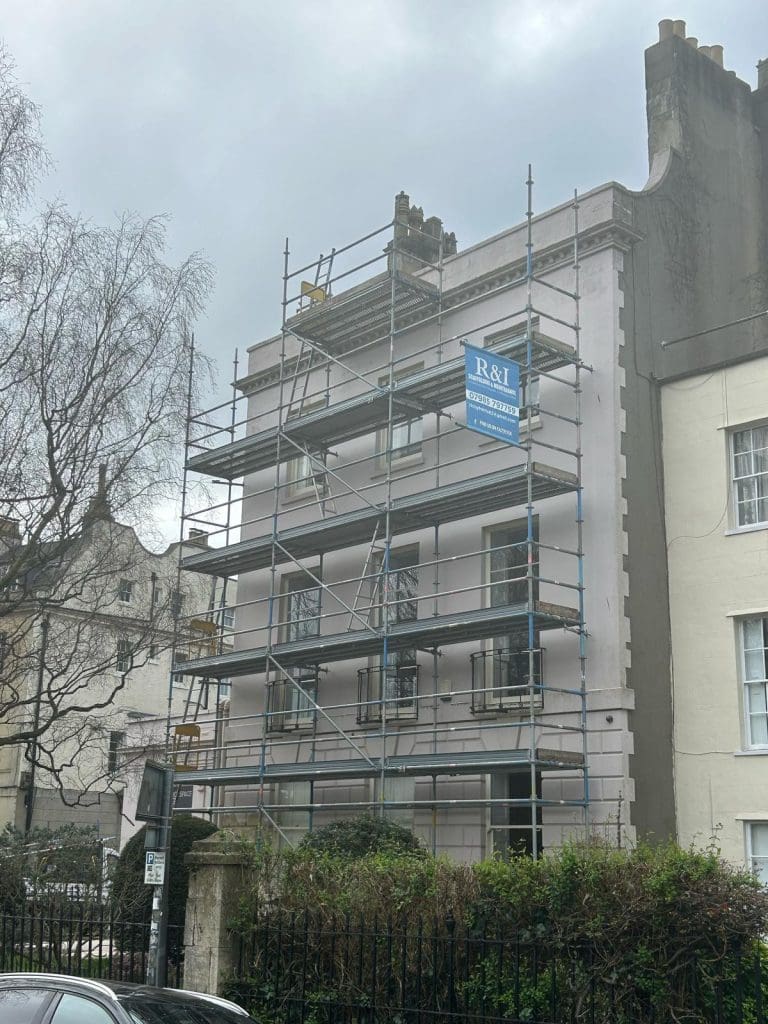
(299, 969)
(84, 942)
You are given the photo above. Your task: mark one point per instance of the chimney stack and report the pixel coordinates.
(762, 74)
(198, 537)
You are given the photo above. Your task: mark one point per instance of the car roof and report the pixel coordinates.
(40, 978)
(116, 989)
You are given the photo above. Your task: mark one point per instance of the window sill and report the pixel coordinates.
(754, 752)
(294, 497)
(391, 723)
(409, 462)
(754, 528)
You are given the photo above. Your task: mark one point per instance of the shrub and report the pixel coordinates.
(360, 836)
(131, 898)
(648, 933)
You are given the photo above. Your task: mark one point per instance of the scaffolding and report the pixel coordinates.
(328, 538)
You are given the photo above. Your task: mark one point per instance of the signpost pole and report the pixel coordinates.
(156, 874)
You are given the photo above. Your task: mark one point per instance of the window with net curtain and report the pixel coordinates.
(754, 637)
(750, 475)
(757, 848)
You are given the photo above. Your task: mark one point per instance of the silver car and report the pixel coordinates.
(59, 999)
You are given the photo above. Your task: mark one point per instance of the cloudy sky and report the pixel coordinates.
(247, 121)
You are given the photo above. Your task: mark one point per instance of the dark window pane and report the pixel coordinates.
(167, 1011)
(77, 1010)
(21, 1005)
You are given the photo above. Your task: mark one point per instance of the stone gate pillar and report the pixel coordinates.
(215, 884)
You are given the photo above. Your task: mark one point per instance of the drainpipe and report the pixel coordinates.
(31, 753)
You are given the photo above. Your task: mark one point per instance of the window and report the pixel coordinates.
(293, 824)
(125, 592)
(124, 659)
(504, 667)
(507, 555)
(407, 433)
(77, 1010)
(750, 475)
(301, 607)
(754, 642)
(289, 707)
(529, 393)
(397, 790)
(183, 798)
(395, 682)
(303, 475)
(157, 597)
(116, 740)
(152, 653)
(225, 688)
(228, 617)
(22, 1005)
(4, 648)
(757, 849)
(177, 604)
(512, 823)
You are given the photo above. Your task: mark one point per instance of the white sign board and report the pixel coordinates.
(154, 867)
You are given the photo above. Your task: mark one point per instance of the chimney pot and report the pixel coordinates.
(678, 29)
(693, 41)
(665, 29)
(716, 53)
(706, 50)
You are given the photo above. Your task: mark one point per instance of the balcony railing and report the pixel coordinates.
(394, 688)
(287, 707)
(501, 680)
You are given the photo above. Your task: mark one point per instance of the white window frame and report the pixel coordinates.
(752, 858)
(515, 700)
(413, 450)
(125, 588)
(303, 477)
(294, 711)
(124, 651)
(761, 476)
(401, 707)
(748, 683)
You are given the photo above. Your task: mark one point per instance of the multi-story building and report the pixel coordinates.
(472, 634)
(95, 626)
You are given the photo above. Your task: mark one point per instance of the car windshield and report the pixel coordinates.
(150, 1010)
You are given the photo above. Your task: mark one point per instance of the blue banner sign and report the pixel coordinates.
(493, 394)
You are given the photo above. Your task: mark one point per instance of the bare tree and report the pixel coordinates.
(95, 360)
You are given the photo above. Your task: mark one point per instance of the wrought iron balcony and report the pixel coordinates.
(393, 688)
(287, 707)
(501, 680)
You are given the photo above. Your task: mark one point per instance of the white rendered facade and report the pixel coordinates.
(716, 486)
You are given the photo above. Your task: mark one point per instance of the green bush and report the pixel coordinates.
(131, 898)
(633, 934)
(361, 836)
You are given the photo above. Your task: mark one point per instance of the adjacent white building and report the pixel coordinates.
(97, 629)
